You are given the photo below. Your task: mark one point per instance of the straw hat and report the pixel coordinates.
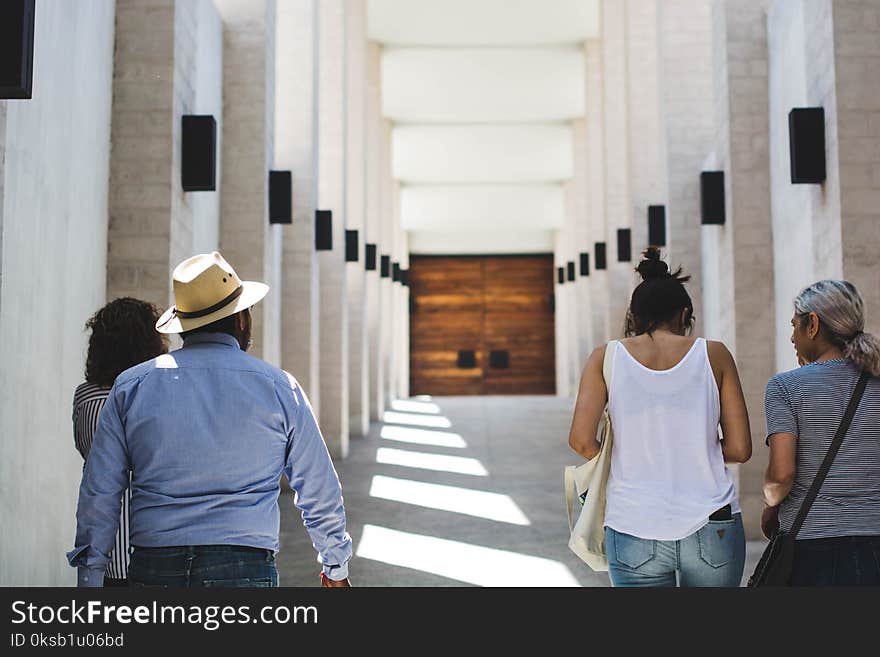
(206, 289)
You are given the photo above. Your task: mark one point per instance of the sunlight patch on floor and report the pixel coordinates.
(396, 417)
(477, 503)
(464, 562)
(437, 462)
(422, 437)
(413, 406)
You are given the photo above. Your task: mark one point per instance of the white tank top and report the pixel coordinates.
(667, 470)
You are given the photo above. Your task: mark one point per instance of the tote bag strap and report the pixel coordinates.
(608, 365)
(829, 457)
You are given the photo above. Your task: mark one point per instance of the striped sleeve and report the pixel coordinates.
(781, 416)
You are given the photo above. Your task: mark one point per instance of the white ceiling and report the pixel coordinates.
(482, 22)
(495, 207)
(479, 154)
(473, 85)
(481, 94)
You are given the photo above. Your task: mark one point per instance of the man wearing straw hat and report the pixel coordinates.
(206, 432)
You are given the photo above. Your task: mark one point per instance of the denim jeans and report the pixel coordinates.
(202, 565)
(838, 561)
(712, 556)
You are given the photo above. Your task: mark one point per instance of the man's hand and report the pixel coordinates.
(328, 583)
(770, 521)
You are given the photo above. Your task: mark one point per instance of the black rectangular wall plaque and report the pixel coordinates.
(624, 245)
(16, 49)
(404, 277)
(385, 266)
(323, 230)
(560, 275)
(370, 258)
(712, 198)
(656, 225)
(601, 262)
(585, 264)
(395, 272)
(570, 270)
(280, 197)
(351, 246)
(198, 162)
(806, 136)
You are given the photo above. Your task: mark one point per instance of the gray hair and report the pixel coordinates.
(841, 312)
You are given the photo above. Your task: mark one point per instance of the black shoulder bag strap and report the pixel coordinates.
(829, 457)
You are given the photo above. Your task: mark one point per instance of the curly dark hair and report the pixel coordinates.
(123, 335)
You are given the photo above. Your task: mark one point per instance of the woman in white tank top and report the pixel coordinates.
(672, 513)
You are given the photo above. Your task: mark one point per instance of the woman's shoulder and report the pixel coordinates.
(87, 392)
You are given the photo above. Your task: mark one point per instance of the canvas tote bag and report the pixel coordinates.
(585, 489)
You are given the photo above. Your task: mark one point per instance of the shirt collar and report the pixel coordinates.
(219, 338)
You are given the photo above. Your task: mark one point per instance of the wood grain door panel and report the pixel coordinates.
(482, 303)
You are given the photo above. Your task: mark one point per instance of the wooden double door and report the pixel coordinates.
(482, 325)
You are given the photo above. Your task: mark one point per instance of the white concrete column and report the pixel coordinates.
(688, 121)
(396, 334)
(647, 165)
(247, 241)
(375, 179)
(296, 150)
(403, 317)
(571, 287)
(618, 181)
(355, 209)
(738, 256)
(332, 103)
(581, 243)
(856, 61)
(54, 174)
(562, 321)
(387, 248)
(594, 138)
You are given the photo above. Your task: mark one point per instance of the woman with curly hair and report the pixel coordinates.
(123, 335)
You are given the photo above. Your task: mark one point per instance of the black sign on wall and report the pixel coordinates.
(806, 135)
(657, 225)
(624, 245)
(351, 246)
(280, 197)
(570, 270)
(395, 272)
(712, 198)
(385, 266)
(601, 262)
(370, 258)
(16, 49)
(198, 145)
(323, 230)
(404, 277)
(560, 275)
(585, 264)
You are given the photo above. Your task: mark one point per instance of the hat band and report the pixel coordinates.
(214, 308)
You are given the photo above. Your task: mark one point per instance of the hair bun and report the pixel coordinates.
(652, 266)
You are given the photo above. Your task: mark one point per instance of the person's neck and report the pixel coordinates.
(828, 352)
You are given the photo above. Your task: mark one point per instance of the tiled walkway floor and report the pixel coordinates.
(455, 491)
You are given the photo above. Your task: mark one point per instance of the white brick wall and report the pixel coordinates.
(857, 63)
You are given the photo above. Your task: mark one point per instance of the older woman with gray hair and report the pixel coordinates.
(838, 543)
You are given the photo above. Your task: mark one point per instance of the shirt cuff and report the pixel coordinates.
(89, 578)
(336, 573)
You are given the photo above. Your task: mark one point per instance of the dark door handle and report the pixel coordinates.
(499, 359)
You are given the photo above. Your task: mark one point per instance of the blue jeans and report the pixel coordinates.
(838, 561)
(203, 565)
(712, 556)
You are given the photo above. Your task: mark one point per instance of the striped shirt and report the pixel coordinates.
(88, 400)
(809, 403)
